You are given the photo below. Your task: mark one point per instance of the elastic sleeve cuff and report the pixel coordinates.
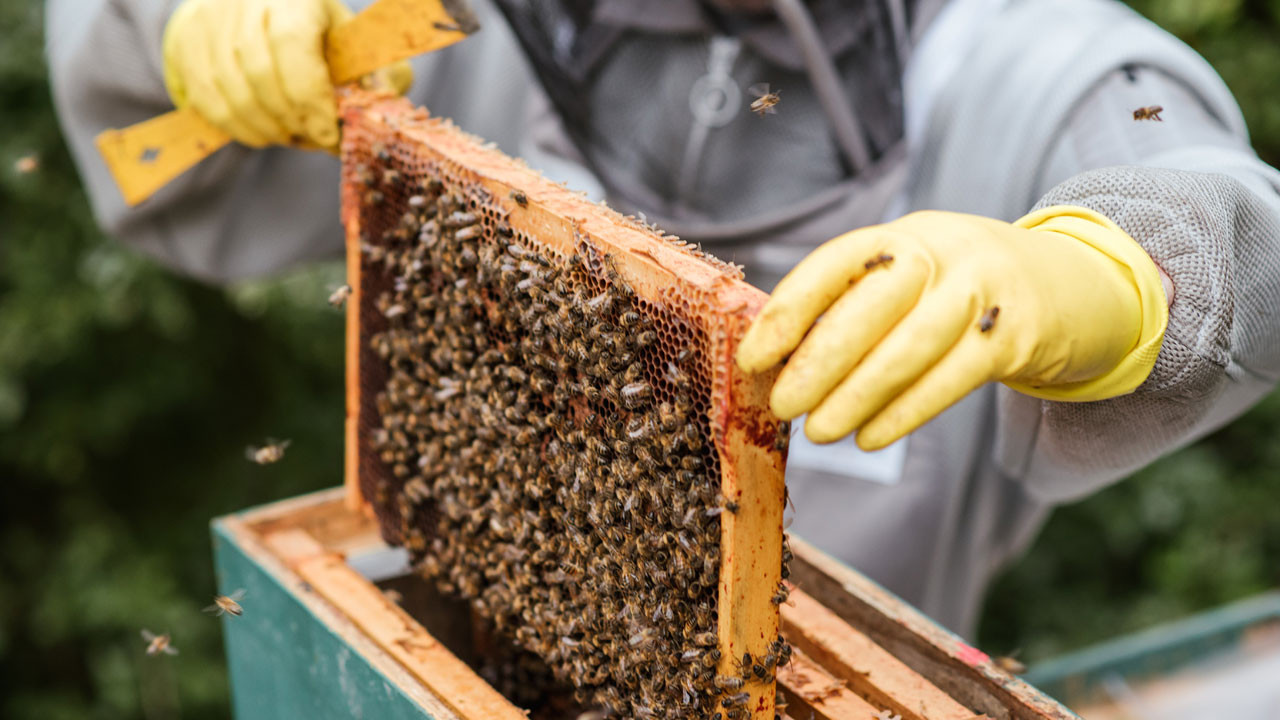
(1103, 235)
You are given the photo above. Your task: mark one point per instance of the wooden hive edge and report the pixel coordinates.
(960, 670)
(323, 573)
(866, 668)
(240, 529)
(660, 271)
(288, 534)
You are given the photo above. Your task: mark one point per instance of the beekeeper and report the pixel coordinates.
(1084, 290)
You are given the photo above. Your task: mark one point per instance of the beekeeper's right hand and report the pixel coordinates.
(257, 70)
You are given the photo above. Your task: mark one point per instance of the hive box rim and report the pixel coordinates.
(940, 656)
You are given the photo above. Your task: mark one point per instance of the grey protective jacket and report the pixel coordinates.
(996, 106)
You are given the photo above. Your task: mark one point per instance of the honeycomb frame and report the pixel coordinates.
(659, 269)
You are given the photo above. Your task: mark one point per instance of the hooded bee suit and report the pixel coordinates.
(992, 107)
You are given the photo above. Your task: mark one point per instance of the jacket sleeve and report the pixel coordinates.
(240, 212)
(1191, 191)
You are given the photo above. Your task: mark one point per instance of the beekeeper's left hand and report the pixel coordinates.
(918, 312)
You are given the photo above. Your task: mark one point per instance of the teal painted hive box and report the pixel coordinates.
(335, 627)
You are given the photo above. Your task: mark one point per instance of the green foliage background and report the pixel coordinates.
(127, 396)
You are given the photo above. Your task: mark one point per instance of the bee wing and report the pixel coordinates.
(170, 650)
(214, 608)
(237, 595)
(251, 453)
(770, 110)
(284, 444)
(759, 89)
(148, 635)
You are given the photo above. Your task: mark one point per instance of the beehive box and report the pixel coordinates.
(320, 639)
(545, 411)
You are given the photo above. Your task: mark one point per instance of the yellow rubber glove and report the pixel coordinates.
(256, 68)
(919, 312)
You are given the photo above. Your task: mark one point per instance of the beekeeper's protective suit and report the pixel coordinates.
(1133, 304)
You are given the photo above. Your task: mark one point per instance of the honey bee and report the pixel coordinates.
(634, 394)
(27, 164)
(1151, 112)
(784, 656)
(737, 700)
(338, 297)
(157, 644)
(272, 452)
(519, 197)
(878, 260)
(227, 604)
(729, 683)
(988, 319)
(1010, 664)
(766, 101)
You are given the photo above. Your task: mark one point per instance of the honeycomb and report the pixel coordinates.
(547, 417)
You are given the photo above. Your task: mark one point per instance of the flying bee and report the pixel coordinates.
(27, 164)
(157, 644)
(227, 604)
(265, 455)
(765, 102)
(1010, 664)
(988, 319)
(1151, 112)
(338, 297)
